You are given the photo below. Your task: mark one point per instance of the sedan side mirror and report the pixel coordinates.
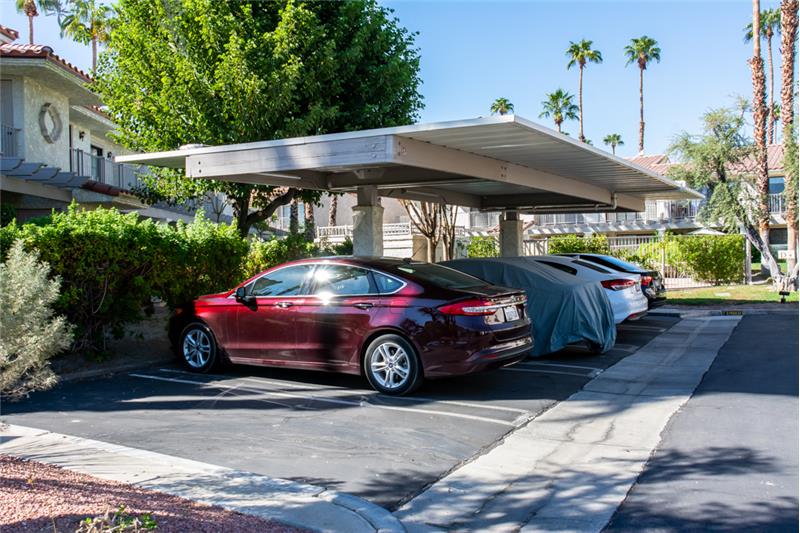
(241, 295)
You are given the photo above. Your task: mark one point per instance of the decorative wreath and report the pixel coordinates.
(50, 132)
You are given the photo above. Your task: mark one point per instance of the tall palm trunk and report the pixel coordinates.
(94, 55)
(294, 223)
(558, 127)
(334, 204)
(309, 226)
(788, 38)
(641, 109)
(30, 29)
(613, 149)
(759, 127)
(580, 103)
(771, 109)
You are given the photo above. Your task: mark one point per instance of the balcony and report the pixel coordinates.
(9, 147)
(105, 171)
(659, 211)
(777, 203)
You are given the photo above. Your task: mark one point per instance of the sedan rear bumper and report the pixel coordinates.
(495, 356)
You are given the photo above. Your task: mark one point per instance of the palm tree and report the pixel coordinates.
(759, 126)
(560, 106)
(642, 51)
(31, 8)
(770, 25)
(502, 106)
(613, 140)
(788, 43)
(579, 54)
(88, 21)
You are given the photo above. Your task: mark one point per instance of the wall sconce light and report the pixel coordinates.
(81, 135)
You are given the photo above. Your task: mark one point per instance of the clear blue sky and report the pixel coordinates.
(476, 51)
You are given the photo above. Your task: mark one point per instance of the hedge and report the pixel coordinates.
(113, 264)
(483, 247)
(715, 258)
(595, 243)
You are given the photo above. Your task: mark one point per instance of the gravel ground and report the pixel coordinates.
(37, 497)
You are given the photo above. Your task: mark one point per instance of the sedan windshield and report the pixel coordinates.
(441, 276)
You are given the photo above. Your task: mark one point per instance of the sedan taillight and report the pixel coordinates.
(618, 284)
(473, 307)
(647, 280)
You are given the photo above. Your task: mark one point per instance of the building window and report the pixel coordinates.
(776, 185)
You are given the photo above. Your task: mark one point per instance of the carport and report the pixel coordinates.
(504, 163)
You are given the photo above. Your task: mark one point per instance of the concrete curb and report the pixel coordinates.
(732, 311)
(298, 504)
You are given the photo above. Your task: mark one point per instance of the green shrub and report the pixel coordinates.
(595, 243)
(714, 258)
(29, 333)
(266, 254)
(343, 248)
(483, 247)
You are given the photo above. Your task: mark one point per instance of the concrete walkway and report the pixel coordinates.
(571, 467)
(293, 503)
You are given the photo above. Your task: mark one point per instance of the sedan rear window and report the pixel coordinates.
(441, 276)
(611, 262)
(559, 266)
(591, 266)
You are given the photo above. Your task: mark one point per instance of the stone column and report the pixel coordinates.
(511, 235)
(368, 223)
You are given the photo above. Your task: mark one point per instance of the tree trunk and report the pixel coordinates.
(641, 110)
(771, 110)
(613, 149)
(332, 207)
(309, 227)
(558, 127)
(94, 55)
(788, 40)
(294, 223)
(241, 208)
(30, 29)
(580, 104)
(759, 128)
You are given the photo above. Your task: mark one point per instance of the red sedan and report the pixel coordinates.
(394, 321)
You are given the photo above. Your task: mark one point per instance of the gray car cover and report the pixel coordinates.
(563, 308)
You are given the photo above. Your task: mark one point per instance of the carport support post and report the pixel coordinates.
(511, 235)
(368, 223)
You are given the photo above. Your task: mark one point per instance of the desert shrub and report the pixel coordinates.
(483, 247)
(714, 258)
(119, 521)
(595, 243)
(343, 248)
(29, 333)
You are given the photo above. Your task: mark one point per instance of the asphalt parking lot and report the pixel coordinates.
(325, 429)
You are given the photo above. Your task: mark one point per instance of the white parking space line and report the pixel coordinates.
(367, 393)
(516, 368)
(639, 327)
(337, 401)
(529, 363)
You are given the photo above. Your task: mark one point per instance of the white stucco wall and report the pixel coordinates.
(37, 149)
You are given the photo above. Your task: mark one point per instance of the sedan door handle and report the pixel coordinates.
(363, 305)
(284, 305)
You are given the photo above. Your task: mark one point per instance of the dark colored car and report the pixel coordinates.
(395, 321)
(652, 282)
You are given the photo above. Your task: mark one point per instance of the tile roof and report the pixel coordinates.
(43, 52)
(9, 33)
(660, 163)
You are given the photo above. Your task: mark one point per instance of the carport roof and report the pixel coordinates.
(503, 162)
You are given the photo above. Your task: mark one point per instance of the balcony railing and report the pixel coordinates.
(654, 212)
(10, 141)
(398, 229)
(103, 170)
(777, 203)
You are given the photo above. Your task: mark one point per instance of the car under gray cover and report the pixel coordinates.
(563, 309)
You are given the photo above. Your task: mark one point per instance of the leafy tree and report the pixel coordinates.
(770, 25)
(613, 140)
(87, 21)
(31, 8)
(790, 155)
(711, 162)
(560, 106)
(641, 51)
(502, 106)
(579, 54)
(233, 72)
